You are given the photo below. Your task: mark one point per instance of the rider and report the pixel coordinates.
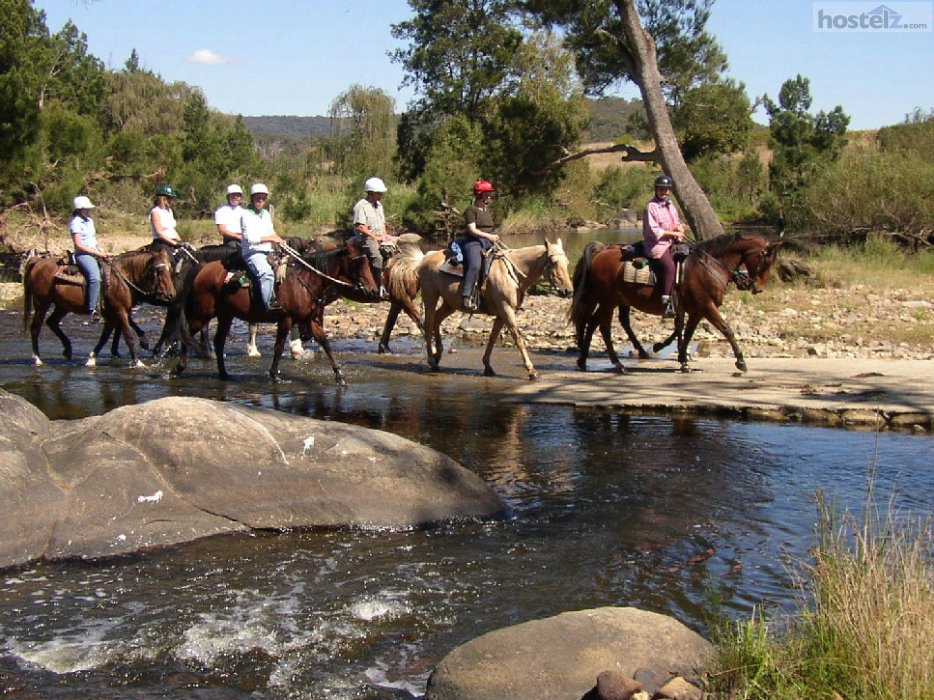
(87, 252)
(258, 235)
(227, 217)
(660, 228)
(369, 223)
(162, 221)
(479, 238)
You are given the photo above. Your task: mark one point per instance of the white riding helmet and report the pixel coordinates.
(259, 188)
(234, 189)
(374, 184)
(82, 202)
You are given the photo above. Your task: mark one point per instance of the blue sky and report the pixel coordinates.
(296, 56)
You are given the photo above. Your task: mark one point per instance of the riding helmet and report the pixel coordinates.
(82, 202)
(664, 181)
(166, 190)
(259, 188)
(482, 186)
(374, 184)
(234, 189)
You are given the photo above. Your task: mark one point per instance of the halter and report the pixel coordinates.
(743, 281)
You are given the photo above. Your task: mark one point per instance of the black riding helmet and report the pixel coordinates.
(664, 181)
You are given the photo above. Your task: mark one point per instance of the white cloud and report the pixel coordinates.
(207, 57)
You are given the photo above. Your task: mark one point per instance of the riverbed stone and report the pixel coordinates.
(559, 657)
(177, 469)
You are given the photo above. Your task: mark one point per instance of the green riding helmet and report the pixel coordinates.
(166, 190)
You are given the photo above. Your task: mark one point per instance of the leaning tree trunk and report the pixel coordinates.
(697, 210)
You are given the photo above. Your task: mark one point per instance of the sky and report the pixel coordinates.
(294, 57)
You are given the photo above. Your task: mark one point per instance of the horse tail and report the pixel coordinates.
(407, 260)
(27, 292)
(581, 279)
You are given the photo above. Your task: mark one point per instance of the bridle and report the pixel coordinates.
(744, 280)
(145, 294)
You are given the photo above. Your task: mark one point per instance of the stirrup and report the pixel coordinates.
(469, 303)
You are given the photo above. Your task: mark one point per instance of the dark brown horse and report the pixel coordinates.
(741, 258)
(130, 278)
(310, 284)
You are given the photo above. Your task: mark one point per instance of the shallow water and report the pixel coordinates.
(693, 518)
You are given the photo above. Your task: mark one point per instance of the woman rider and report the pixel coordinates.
(87, 252)
(479, 238)
(660, 228)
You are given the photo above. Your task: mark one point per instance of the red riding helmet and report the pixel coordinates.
(482, 186)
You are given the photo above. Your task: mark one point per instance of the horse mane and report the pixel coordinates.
(323, 258)
(716, 246)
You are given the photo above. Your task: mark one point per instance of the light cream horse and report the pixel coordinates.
(512, 273)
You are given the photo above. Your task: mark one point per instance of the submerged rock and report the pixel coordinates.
(177, 469)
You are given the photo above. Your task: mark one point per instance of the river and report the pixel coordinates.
(699, 519)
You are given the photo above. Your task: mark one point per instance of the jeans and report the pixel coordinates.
(473, 249)
(91, 270)
(258, 264)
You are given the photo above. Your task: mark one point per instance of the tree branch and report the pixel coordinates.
(631, 154)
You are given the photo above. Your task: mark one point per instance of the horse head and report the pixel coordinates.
(556, 269)
(758, 260)
(159, 276)
(361, 272)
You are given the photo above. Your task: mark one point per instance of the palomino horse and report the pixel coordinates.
(132, 277)
(309, 285)
(742, 258)
(401, 281)
(511, 274)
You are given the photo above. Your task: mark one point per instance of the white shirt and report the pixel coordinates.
(229, 217)
(255, 226)
(166, 220)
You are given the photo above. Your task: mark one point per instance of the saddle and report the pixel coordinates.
(454, 261)
(636, 268)
(239, 276)
(68, 272)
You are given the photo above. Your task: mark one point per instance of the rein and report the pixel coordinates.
(126, 280)
(295, 254)
(742, 281)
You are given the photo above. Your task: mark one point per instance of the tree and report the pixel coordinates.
(363, 126)
(800, 142)
(714, 119)
(611, 44)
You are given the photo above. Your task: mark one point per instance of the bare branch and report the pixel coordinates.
(631, 154)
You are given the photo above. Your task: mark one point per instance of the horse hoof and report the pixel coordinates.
(533, 376)
(488, 372)
(223, 376)
(92, 362)
(741, 366)
(582, 365)
(253, 352)
(619, 369)
(384, 350)
(684, 367)
(643, 355)
(139, 364)
(36, 361)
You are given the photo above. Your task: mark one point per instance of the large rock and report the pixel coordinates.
(176, 469)
(560, 657)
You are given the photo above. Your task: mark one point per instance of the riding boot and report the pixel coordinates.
(378, 278)
(668, 308)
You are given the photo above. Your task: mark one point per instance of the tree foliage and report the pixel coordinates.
(713, 119)
(801, 142)
(363, 131)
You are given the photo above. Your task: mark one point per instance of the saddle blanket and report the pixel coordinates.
(69, 274)
(638, 273)
(448, 268)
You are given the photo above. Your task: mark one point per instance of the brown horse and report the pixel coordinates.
(130, 278)
(401, 280)
(742, 258)
(511, 275)
(310, 284)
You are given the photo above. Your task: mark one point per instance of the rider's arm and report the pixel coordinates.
(81, 248)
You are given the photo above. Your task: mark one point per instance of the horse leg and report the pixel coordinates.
(685, 332)
(658, 347)
(102, 341)
(510, 322)
(282, 335)
(440, 316)
(391, 318)
(713, 315)
(316, 324)
(220, 339)
(428, 331)
(605, 318)
(490, 343)
(251, 349)
(53, 323)
(35, 327)
(626, 322)
(123, 319)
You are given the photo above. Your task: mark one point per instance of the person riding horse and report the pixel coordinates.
(258, 235)
(660, 228)
(87, 252)
(227, 217)
(369, 224)
(162, 221)
(479, 239)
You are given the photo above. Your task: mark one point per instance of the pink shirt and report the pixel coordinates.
(659, 217)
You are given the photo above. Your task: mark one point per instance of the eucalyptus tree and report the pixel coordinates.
(664, 57)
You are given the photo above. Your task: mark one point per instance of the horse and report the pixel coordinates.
(745, 259)
(401, 282)
(130, 278)
(511, 274)
(310, 284)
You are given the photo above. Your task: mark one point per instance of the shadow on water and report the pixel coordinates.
(693, 518)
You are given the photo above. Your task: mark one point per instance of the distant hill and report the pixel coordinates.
(610, 120)
(287, 127)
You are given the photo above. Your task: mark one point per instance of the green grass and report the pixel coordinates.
(864, 622)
